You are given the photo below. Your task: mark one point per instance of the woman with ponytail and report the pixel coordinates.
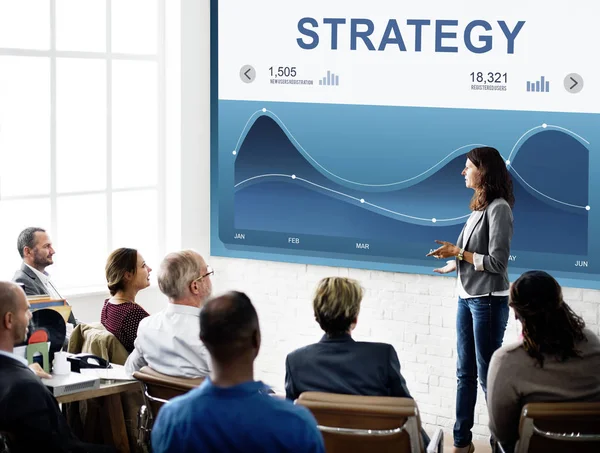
(557, 359)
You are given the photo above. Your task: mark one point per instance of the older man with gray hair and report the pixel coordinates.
(169, 341)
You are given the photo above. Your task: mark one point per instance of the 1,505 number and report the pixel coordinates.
(283, 71)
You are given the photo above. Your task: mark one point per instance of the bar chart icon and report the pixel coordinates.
(539, 86)
(330, 79)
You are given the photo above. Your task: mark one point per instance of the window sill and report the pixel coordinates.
(85, 291)
(70, 293)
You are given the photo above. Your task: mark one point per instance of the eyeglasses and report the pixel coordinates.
(209, 271)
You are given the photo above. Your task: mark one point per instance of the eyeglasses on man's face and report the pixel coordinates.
(209, 271)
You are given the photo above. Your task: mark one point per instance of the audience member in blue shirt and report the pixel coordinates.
(230, 411)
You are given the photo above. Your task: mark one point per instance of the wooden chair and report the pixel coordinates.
(367, 424)
(158, 389)
(559, 427)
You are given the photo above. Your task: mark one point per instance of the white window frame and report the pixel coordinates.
(108, 56)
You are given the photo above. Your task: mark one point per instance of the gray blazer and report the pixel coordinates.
(489, 235)
(30, 283)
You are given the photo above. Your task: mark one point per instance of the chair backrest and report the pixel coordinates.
(365, 423)
(93, 338)
(160, 388)
(560, 427)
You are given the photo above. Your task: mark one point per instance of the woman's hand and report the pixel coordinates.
(447, 250)
(450, 267)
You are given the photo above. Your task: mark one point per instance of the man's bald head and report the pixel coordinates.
(9, 297)
(229, 327)
(14, 315)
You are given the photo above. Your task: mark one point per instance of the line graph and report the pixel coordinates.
(309, 156)
(360, 200)
(586, 207)
(428, 171)
(380, 184)
(543, 126)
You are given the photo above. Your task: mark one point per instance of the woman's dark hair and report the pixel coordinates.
(118, 263)
(495, 181)
(550, 327)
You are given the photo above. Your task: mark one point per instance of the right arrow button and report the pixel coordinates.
(573, 83)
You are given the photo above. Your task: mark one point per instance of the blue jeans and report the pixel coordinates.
(480, 326)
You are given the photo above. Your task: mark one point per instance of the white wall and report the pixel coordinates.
(415, 313)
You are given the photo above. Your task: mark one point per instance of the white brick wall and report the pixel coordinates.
(415, 313)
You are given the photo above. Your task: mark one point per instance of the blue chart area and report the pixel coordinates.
(278, 173)
(374, 187)
(551, 179)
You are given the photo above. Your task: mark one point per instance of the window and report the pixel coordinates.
(82, 131)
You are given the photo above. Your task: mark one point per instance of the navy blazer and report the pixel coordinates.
(342, 365)
(31, 415)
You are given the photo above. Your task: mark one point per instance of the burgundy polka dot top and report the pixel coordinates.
(122, 321)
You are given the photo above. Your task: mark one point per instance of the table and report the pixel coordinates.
(110, 394)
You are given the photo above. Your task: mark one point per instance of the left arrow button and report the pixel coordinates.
(247, 74)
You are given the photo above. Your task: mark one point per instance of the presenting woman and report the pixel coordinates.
(481, 260)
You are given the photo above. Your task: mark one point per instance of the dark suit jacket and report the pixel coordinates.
(31, 415)
(32, 285)
(342, 365)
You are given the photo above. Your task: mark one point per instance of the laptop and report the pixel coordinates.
(66, 384)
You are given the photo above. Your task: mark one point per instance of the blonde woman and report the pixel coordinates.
(337, 363)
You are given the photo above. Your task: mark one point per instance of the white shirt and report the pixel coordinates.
(169, 342)
(45, 279)
(15, 357)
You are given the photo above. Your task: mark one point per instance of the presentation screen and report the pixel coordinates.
(340, 129)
